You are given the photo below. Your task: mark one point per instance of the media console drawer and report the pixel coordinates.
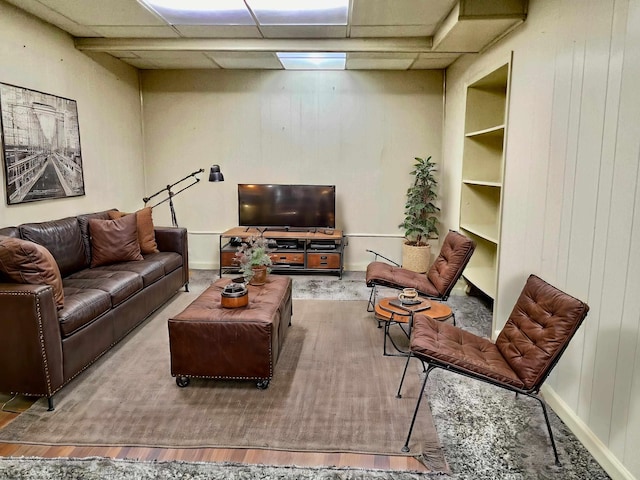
(289, 258)
(323, 260)
(227, 259)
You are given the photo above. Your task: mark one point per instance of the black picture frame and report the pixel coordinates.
(40, 145)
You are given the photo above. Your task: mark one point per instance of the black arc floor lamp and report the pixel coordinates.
(215, 175)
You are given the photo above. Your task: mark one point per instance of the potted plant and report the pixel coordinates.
(253, 257)
(420, 221)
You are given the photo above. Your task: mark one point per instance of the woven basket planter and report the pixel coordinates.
(416, 259)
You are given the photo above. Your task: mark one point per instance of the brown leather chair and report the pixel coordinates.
(538, 331)
(437, 283)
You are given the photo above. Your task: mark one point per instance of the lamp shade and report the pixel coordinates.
(215, 175)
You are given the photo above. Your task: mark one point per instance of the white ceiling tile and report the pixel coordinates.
(246, 60)
(45, 13)
(380, 61)
(218, 31)
(101, 12)
(401, 12)
(138, 31)
(304, 31)
(142, 63)
(176, 59)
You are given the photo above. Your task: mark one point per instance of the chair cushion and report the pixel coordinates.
(464, 350)
(542, 319)
(114, 241)
(381, 273)
(454, 255)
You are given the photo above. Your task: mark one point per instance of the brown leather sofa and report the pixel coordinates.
(43, 346)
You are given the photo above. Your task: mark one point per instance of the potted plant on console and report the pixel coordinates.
(420, 222)
(254, 258)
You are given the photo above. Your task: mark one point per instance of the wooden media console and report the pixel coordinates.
(317, 250)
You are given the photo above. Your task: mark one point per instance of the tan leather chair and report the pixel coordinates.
(536, 334)
(437, 283)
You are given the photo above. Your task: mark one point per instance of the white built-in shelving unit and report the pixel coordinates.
(482, 174)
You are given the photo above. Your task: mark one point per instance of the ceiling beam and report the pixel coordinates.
(385, 45)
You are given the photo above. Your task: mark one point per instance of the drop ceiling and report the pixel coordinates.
(378, 35)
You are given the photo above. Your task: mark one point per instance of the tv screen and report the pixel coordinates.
(296, 206)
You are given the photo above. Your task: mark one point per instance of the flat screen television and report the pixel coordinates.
(287, 206)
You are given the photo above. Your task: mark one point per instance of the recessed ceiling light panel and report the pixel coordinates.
(300, 12)
(202, 12)
(312, 60)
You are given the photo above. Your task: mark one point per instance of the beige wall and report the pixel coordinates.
(571, 209)
(40, 57)
(357, 130)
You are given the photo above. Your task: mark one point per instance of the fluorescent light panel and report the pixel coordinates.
(312, 60)
(202, 12)
(300, 12)
(267, 12)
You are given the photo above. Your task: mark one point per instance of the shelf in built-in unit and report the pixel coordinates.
(487, 231)
(498, 131)
(483, 278)
(483, 183)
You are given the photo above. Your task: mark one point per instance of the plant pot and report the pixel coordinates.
(259, 275)
(416, 258)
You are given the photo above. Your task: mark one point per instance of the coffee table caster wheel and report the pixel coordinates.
(182, 381)
(262, 384)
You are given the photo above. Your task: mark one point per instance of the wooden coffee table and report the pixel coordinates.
(390, 311)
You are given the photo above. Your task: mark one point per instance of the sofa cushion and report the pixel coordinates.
(146, 233)
(83, 221)
(114, 241)
(170, 260)
(119, 285)
(149, 270)
(27, 262)
(62, 238)
(81, 307)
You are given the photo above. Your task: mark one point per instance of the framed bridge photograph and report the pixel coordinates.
(40, 145)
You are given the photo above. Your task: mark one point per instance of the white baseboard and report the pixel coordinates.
(581, 430)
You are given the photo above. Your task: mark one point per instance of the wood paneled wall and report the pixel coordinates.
(357, 130)
(571, 209)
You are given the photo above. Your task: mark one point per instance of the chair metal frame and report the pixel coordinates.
(533, 391)
(432, 364)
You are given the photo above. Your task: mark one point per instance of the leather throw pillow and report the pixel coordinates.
(27, 262)
(146, 232)
(114, 241)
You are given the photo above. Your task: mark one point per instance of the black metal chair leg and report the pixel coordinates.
(404, 372)
(415, 412)
(50, 403)
(546, 418)
(372, 300)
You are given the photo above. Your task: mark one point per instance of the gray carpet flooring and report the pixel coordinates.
(486, 432)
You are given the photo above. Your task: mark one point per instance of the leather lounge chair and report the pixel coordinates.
(543, 321)
(439, 280)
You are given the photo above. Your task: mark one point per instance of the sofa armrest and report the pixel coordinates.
(174, 239)
(30, 340)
